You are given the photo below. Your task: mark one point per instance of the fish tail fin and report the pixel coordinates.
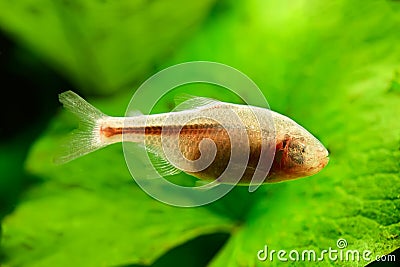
(86, 139)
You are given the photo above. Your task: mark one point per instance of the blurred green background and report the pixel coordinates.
(333, 66)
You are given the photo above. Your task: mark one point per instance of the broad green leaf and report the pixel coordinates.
(333, 68)
(102, 45)
(330, 66)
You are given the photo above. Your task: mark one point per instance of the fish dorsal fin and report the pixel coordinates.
(134, 113)
(187, 102)
(160, 163)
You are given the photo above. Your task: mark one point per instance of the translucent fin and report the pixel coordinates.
(187, 102)
(163, 167)
(160, 163)
(134, 113)
(85, 139)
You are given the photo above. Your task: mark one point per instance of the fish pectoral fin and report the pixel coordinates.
(146, 163)
(160, 163)
(187, 102)
(164, 167)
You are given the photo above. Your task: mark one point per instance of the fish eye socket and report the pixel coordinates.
(284, 143)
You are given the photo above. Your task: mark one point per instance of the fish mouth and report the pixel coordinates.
(324, 162)
(324, 158)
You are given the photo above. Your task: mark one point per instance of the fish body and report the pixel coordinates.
(205, 138)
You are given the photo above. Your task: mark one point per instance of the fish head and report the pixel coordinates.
(298, 154)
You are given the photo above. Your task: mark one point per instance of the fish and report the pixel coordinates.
(250, 141)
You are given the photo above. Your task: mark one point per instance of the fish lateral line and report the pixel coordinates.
(109, 131)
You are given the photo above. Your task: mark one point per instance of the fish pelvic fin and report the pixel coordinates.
(86, 138)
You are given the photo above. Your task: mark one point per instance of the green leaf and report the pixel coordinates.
(395, 84)
(333, 74)
(329, 66)
(70, 224)
(102, 46)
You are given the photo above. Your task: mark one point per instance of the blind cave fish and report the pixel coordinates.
(247, 139)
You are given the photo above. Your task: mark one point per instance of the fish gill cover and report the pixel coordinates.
(331, 66)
